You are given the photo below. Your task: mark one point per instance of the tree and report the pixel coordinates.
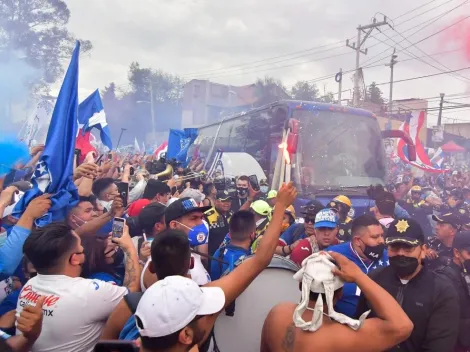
(328, 98)
(269, 90)
(303, 90)
(374, 94)
(37, 29)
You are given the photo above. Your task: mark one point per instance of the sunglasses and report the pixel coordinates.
(309, 220)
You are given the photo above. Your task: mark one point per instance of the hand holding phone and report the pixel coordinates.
(118, 227)
(254, 182)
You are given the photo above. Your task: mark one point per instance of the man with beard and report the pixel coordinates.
(75, 308)
(429, 299)
(458, 272)
(326, 230)
(366, 250)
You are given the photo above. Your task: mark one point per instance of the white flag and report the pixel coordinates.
(136, 146)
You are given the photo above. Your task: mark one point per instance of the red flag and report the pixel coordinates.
(83, 143)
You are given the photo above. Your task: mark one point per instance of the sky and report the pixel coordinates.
(210, 39)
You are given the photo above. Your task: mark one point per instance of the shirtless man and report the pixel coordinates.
(377, 334)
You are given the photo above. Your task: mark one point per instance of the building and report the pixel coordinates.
(207, 102)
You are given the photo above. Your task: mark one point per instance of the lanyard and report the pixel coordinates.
(365, 266)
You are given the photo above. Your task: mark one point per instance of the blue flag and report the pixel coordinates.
(91, 114)
(179, 143)
(54, 171)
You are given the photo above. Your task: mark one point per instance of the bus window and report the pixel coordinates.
(338, 149)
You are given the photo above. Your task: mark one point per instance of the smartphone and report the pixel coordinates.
(131, 171)
(99, 159)
(116, 346)
(118, 227)
(110, 156)
(123, 188)
(254, 182)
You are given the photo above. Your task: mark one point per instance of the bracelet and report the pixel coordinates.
(290, 249)
(283, 251)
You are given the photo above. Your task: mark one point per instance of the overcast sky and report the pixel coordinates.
(202, 38)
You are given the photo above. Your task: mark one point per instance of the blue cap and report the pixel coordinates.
(326, 218)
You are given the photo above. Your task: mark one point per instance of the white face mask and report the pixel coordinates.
(106, 205)
(77, 221)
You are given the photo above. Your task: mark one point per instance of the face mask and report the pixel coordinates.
(242, 192)
(198, 235)
(403, 266)
(264, 189)
(374, 253)
(77, 221)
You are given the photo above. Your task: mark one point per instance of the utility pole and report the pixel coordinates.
(152, 111)
(390, 102)
(339, 79)
(441, 104)
(357, 47)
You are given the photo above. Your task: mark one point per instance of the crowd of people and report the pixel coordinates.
(394, 279)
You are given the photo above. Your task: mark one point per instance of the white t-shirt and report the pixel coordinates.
(198, 274)
(75, 310)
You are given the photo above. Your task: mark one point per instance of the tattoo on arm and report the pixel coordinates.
(131, 275)
(289, 339)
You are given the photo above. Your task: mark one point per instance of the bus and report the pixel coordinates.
(325, 149)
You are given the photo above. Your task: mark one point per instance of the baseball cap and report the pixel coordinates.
(223, 195)
(312, 208)
(194, 194)
(326, 218)
(172, 303)
(181, 207)
(462, 240)
(136, 207)
(150, 215)
(272, 194)
(452, 218)
(407, 231)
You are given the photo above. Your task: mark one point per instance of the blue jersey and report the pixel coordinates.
(231, 254)
(129, 331)
(348, 303)
(288, 236)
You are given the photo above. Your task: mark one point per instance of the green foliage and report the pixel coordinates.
(303, 90)
(38, 29)
(374, 94)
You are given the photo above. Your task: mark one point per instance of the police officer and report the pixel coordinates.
(416, 200)
(218, 219)
(262, 212)
(458, 272)
(342, 206)
(428, 298)
(440, 247)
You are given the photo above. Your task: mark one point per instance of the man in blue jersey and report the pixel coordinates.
(242, 232)
(367, 251)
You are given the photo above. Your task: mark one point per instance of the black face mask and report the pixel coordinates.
(242, 192)
(374, 253)
(403, 266)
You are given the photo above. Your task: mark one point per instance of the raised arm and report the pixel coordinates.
(239, 279)
(132, 267)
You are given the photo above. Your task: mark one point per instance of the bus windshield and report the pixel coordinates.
(337, 149)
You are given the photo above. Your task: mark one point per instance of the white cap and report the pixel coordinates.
(172, 303)
(316, 275)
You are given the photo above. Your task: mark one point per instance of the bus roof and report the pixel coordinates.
(300, 105)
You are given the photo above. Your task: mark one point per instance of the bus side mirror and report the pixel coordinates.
(411, 148)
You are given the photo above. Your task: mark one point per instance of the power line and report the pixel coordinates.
(431, 21)
(240, 66)
(425, 76)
